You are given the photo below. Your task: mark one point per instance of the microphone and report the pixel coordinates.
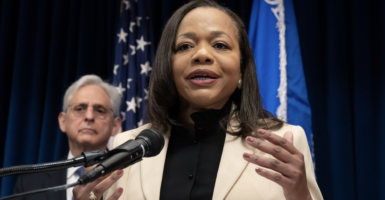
(148, 143)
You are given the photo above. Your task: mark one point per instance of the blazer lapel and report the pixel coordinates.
(231, 166)
(152, 172)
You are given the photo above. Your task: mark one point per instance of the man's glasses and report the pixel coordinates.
(99, 111)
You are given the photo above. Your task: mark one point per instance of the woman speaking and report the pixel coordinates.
(219, 141)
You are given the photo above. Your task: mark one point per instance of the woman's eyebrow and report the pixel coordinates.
(213, 33)
(219, 33)
(188, 34)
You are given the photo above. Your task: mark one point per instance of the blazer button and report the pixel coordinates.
(190, 176)
(200, 128)
(196, 141)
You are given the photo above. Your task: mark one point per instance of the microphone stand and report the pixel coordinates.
(86, 159)
(147, 144)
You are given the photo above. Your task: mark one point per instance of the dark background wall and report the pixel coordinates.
(342, 44)
(45, 45)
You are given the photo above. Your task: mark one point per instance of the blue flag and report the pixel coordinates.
(134, 55)
(274, 39)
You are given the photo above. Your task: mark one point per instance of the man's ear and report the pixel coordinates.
(116, 126)
(62, 120)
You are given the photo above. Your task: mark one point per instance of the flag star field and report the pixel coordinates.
(134, 54)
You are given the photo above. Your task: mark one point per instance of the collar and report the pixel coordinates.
(72, 170)
(202, 117)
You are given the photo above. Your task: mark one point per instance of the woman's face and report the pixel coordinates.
(206, 62)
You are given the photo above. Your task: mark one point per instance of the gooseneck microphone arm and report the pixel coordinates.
(86, 159)
(148, 143)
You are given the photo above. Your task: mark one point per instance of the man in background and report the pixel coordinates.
(90, 116)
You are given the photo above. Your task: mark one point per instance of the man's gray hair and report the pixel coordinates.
(115, 97)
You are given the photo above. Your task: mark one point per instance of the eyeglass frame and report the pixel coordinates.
(77, 114)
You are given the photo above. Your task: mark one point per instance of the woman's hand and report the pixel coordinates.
(98, 187)
(290, 163)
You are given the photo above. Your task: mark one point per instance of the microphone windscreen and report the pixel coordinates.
(155, 140)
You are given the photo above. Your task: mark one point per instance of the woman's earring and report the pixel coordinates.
(239, 84)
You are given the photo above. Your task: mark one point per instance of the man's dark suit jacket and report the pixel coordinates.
(28, 182)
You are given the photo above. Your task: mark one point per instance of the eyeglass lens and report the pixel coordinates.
(98, 110)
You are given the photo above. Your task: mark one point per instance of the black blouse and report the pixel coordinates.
(192, 163)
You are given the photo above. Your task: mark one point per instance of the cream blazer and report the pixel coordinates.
(236, 178)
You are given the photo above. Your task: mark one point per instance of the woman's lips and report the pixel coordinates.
(202, 77)
(202, 82)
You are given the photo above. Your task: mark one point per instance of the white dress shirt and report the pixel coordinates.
(72, 176)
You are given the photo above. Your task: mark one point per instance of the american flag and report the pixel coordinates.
(134, 55)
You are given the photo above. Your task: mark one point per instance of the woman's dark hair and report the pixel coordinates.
(163, 95)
